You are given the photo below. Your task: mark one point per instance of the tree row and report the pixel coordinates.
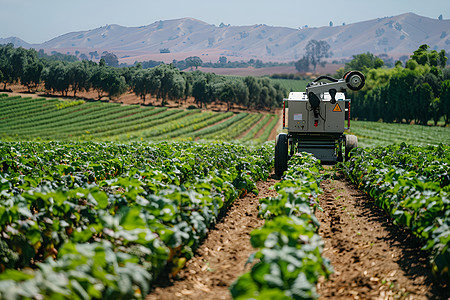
(417, 92)
(19, 65)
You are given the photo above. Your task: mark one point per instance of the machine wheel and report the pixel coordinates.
(355, 80)
(281, 154)
(351, 141)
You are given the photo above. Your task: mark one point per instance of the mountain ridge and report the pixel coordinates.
(395, 36)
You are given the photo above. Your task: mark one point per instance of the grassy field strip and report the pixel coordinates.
(233, 130)
(268, 130)
(88, 120)
(19, 106)
(110, 122)
(216, 127)
(13, 103)
(217, 117)
(250, 134)
(291, 85)
(34, 130)
(192, 118)
(67, 123)
(375, 134)
(149, 119)
(56, 115)
(23, 110)
(136, 130)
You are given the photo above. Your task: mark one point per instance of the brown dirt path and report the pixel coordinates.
(221, 259)
(372, 257)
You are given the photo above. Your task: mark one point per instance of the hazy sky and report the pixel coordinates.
(36, 21)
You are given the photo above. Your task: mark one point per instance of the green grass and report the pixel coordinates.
(292, 85)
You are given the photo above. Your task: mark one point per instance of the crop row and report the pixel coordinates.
(77, 119)
(289, 247)
(412, 184)
(250, 134)
(103, 220)
(52, 115)
(236, 129)
(269, 128)
(216, 128)
(383, 134)
(41, 119)
(195, 126)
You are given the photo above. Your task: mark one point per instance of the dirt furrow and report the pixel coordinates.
(372, 258)
(221, 258)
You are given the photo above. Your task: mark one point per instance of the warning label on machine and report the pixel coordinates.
(337, 108)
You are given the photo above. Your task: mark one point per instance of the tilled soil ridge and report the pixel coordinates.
(372, 258)
(221, 259)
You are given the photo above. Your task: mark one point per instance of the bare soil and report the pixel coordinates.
(222, 258)
(372, 258)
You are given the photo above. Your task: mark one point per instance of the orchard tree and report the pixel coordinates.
(56, 78)
(99, 75)
(254, 91)
(302, 65)
(193, 61)
(200, 91)
(106, 80)
(110, 59)
(79, 74)
(93, 54)
(6, 67)
(240, 91)
(222, 60)
(316, 51)
(268, 96)
(32, 74)
(171, 84)
(142, 83)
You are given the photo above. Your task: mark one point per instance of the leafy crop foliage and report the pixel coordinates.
(413, 185)
(103, 220)
(289, 247)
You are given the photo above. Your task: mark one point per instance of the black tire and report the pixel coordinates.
(355, 80)
(281, 154)
(351, 142)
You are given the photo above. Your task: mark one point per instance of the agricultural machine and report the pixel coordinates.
(316, 121)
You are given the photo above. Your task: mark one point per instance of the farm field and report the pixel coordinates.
(372, 134)
(113, 216)
(103, 200)
(51, 119)
(291, 85)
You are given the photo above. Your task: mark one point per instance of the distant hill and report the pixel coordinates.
(395, 36)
